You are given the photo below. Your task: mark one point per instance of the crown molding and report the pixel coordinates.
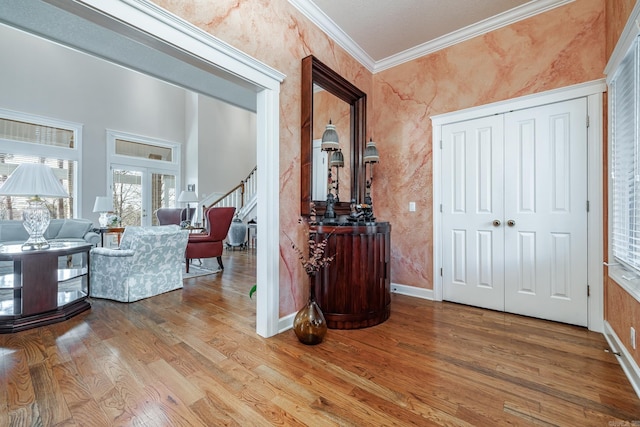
(326, 24)
(318, 17)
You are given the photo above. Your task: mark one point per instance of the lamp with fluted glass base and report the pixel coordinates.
(35, 181)
(103, 205)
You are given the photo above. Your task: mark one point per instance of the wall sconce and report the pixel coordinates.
(331, 144)
(371, 157)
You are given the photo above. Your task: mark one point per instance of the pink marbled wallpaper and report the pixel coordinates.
(561, 47)
(275, 33)
(617, 13)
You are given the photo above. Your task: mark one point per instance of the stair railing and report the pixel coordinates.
(237, 196)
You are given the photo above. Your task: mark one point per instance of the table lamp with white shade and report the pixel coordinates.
(35, 181)
(104, 205)
(188, 197)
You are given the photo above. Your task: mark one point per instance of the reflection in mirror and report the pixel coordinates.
(328, 108)
(344, 105)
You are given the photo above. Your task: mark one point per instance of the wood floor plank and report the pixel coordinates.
(191, 357)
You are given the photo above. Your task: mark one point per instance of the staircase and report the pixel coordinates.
(243, 197)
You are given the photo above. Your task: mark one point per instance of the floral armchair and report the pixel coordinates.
(148, 263)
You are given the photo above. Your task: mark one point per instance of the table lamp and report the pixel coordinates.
(35, 181)
(104, 205)
(188, 197)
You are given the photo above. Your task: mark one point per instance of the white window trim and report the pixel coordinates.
(173, 166)
(628, 279)
(31, 149)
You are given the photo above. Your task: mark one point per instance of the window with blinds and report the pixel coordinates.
(33, 139)
(624, 92)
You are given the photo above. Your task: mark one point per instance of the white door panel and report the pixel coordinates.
(528, 170)
(472, 186)
(546, 249)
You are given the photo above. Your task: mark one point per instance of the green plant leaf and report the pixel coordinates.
(253, 290)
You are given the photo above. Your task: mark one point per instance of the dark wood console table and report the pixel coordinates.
(42, 287)
(355, 290)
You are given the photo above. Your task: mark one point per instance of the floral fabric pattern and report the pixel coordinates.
(148, 263)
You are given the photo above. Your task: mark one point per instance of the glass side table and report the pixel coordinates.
(43, 287)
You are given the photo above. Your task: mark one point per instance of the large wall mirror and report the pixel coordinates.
(327, 96)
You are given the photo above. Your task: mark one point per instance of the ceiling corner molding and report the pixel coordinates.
(318, 17)
(502, 20)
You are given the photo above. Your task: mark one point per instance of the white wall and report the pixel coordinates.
(227, 146)
(39, 77)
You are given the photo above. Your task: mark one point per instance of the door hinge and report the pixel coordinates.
(440, 271)
(441, 144)
(588, 290)
(588, 121)
(587, 206)
(440, 207)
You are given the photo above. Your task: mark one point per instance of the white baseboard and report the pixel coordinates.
(285, 323)
(412, 291)
(629, 365)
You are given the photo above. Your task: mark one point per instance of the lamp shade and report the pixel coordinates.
(33, 180)
(330, 138)
(103, 204)
(188, 197)
(337, 159)
(371, 153)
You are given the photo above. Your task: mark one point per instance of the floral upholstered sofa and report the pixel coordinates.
(147, 263)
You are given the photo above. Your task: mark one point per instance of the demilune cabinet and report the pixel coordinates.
(42, 287)
(354, 291)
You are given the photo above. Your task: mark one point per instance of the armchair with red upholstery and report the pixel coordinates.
(210, 244)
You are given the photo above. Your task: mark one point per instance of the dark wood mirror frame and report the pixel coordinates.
(314, 71)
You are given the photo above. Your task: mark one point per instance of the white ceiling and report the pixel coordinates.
(384, 33)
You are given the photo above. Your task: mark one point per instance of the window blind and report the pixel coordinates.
(624, 91)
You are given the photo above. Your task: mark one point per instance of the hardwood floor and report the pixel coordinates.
(191, 358)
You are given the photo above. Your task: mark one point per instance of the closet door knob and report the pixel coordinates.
(511, 223)
(496, 222)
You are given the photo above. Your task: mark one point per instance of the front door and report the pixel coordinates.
(515, 212)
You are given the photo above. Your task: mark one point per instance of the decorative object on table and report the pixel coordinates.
(362, 212)
(104, 205)
(113, 220)
(187, 197)
(330, 213)
(237, 236)
(34, 180)
(309, 323)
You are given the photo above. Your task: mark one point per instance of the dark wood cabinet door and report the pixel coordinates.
(354, 291)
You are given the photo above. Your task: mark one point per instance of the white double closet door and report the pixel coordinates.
(514, 221)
